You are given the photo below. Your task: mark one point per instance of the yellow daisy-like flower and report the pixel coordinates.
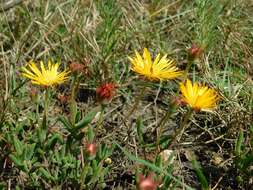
(159, 69)
(199, 97)
(46, 76)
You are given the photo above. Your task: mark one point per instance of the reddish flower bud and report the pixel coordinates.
(106, 91)
(76, 67)
(147, 183)
(91, 149)
(195, 51)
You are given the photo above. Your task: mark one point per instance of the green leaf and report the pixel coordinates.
(152, 166)
(19, 163)
(246, 161)
(164, 141)
(65, 122)
(139, 127)
(3, 185)
(78, 116)
(87, 119)
(42, 135)
(29, 151)
(18, 146)
(99, 152)
(61, 29)
(53, 140)
(44, 122)
(16, 160)
(41, 152)
(90, 134)
(84, 174)
(158, 161)
(73, 111)
(199, 173)
(238, 144)
(251, 129)
(104, 151)
(46, 174)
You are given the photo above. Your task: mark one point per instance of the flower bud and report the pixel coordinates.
(106, 91)
(108, 161)
(195, 51)
(147, 183)
(91, 149)
(79, 68)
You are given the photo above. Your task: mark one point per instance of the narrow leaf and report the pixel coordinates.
(65, 122)
(238, 144)
(86, 120)
(199, 173)
(18, 145)
(152, 166)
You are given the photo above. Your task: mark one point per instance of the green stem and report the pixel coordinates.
(187, 69)
(46, 103)
(182, 127)
(74, 86)
(137, 101)
(100, 120)
(168, 114)
(161, 125)
(82, 183)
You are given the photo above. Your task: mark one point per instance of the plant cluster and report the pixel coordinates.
(82, 108)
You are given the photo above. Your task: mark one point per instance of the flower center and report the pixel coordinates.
(50, 76)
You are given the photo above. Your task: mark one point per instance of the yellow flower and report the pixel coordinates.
(159, 69)
(199, 97)
(45, 77)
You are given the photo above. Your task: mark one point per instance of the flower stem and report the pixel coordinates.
(100, 120)
(46, 103)
(137, 101)
(182, 127)
(162, 124)
(187, 69)
(73, 106)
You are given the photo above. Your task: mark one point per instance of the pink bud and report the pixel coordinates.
(91, 149)
(147, 183)
(195, 51)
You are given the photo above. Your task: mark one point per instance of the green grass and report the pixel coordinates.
(101, 35)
